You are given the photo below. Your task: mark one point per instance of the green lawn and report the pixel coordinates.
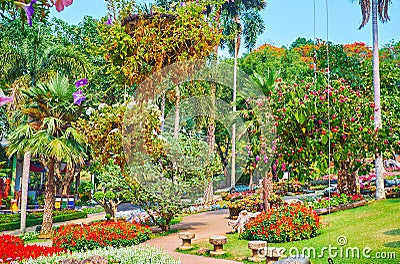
(375, 226)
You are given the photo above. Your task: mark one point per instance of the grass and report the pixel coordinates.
(375, 226)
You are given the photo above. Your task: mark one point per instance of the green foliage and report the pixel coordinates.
(49, 133)
(301, 112)
(145, 43)
(112, 188)
(282, 62)
(85, 187)
(30, 55)
(12, 221)
(29, 236)
(335, 200)
(300, 41)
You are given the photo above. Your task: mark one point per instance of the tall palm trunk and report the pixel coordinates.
(380, 188)
(177, 111)
(208, 189)
(47, 223)
(24, 191)
(237, 46)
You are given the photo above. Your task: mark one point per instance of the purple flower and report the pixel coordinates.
(29, 10)
(5, 100)
(257, 158)
(183, 3)
(109, 22)
(81, 82)
(78, 97)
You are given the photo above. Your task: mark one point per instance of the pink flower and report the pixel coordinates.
(61, 3)
(5, 99)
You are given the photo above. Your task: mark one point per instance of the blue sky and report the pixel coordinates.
(285, 20)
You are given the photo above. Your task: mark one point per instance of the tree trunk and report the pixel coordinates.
(251, 179)
(47, 224)
(177, 111)
(24, 193)
(70, 174)
(267, 190)
(347, 182)
(380, 188)
(208, 192)
(233, 169)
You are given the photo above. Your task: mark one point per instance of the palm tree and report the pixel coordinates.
(48, 134)
(378, 8)
(29, 56)
(38, 60)
(233, 13)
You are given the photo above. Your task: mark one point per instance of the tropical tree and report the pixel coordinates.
(377, 8)
(46, 131)
(29, 55)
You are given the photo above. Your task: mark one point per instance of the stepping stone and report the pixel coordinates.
(186, 240)
(218, 242)
(255, 247)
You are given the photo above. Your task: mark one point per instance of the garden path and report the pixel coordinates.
(203, 225)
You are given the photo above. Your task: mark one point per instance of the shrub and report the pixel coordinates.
(29, 236)
(283, 224)
(335, 200)
(12, 221)
(230, 197)
(249, 203)
(12, 248)
(128, 255)
(100, 234)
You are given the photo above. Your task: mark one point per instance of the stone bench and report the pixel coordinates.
(218, 242)
(272, 254)
(255, 247)
(186, 240)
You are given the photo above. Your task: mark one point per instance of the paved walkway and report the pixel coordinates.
(203, 225)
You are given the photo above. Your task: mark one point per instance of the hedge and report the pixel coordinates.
(33, 220)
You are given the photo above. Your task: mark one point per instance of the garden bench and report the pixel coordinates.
(272, 254)
(218, 242)
(186, 240)
(255, 247)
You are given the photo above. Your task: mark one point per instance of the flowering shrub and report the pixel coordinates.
(283, 224)
(249, 203)
(128, 255)
(236, 196)
(335, 200)
(100, 234)
(12, 248)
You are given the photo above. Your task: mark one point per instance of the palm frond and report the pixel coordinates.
(67, 61)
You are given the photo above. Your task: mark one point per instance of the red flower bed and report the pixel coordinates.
(100, 234)
(283, 224)
(12, 248)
